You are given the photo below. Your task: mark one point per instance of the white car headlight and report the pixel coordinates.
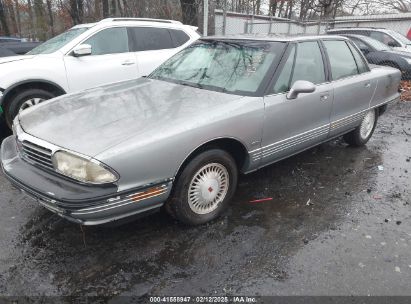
(82, 169)
(407, 60)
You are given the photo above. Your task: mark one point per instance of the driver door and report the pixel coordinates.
(110, 61)
(292, 125)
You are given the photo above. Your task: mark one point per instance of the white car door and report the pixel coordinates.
(153, 46)
(110, 61)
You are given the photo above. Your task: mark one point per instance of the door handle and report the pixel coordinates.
(367, 85)
(128, 62)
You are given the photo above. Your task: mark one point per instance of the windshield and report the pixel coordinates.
(375, 44)
(57, 42)
(400, 37)
(237, 67)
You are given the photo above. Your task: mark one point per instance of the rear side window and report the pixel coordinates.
(361, 64)
(150, 39)
(109, 41)
(179, 37)
(309, 63)
(341, 59)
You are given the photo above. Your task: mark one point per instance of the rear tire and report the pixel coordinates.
(23, 100)
(362, 134)
(204, 188)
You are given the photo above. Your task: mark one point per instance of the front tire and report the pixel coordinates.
(24, 100)
(362, 134)
(204, 188)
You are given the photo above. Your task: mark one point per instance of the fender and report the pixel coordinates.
(4, 92)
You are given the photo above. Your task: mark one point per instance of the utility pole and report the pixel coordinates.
(205, 21)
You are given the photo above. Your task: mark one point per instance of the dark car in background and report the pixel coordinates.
(6, 52)
(19, 47)
(389, 37)
(378, 53)
(10, 46)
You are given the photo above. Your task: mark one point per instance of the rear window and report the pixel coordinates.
(179, 37)
(341, 59)
(150, 39)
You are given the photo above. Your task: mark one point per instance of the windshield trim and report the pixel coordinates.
(264, 82)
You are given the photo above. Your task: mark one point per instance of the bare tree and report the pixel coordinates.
(3, 20)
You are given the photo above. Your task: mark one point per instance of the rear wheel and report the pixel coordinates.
(362, 134)
(24, 100)
(204, 188)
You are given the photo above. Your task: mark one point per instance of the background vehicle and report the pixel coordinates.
(5, 39)
(19, 48)
(4, 52)
(378, 53)
(388, 37)
(87, 56)
(181, 136)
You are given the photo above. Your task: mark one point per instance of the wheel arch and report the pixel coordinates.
(30, 84)
(231, 145)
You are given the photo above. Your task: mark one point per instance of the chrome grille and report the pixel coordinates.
(37, 154)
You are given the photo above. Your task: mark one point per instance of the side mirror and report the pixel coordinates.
(82, 50)
(300, 86)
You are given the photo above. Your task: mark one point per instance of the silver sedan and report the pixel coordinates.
(180, 137)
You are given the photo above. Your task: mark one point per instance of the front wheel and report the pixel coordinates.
(204, 188)
(24, 100)
(362, 134)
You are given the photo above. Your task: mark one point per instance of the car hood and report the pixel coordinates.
(15, 58)
(92, 121)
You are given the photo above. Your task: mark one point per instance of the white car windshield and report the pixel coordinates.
(58, 42)
(225, 66)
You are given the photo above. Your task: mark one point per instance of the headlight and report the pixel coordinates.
(82, 169)
(408, 60)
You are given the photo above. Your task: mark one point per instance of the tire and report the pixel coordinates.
(208, 197)
(362, 134)
(14, 106)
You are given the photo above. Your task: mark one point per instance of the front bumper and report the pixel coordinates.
(79, 203)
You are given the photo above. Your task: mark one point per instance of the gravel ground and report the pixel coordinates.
(337, 225)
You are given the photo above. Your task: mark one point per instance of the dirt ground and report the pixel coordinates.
(338, 224)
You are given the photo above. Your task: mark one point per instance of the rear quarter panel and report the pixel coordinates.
(388, 81)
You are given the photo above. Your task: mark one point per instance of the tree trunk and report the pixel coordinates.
(51, 19)
(17, 8)
(190, 12)
(113, 11)
(3, 20)
(105, 8)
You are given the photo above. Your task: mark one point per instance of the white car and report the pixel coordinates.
(390, 38)
(87, 56)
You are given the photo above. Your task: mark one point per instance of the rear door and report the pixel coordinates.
(353, 86)
(153, 46)
(110, 61)
(293, 125)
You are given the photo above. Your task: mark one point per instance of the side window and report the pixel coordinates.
(308, 63)
(361, 45)
(109, 41)
(179, 37)
(384, 38)
(361, 65)
(341, 59)
(150, 39)
(283, 82)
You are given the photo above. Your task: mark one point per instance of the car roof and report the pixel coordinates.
(140, 21)
(357, 29)
(273, 37)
